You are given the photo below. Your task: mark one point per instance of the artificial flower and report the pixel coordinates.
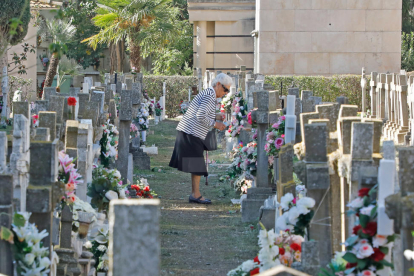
(363, 192)
(378, 255)
(364, 251)
(370, 229)
(71, 101)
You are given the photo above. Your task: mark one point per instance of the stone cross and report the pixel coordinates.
(43, 176)
(373, 94)
(257, 195)
(125, 117)
(364, 90)
(381, 83)
(142, 216)
(290, 123)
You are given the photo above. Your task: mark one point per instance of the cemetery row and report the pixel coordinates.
(322, 177)
(66, 182)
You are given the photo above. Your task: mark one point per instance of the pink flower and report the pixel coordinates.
(249, 118)
(279, 143)
(254, 136)
(283, 136)
(266, 147)
(276, 125)
(271, 159)
(282, 118)
(294, 201)
(120, 183)
(365, 250)
(270, 135)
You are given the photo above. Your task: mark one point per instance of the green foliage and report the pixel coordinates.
(407, 17)
(407, 51)
(177, 90)
(174, 53)
(82, 19)
(14, 20)
(19, 59)
(329, 88)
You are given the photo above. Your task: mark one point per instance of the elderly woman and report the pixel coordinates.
(192, 131)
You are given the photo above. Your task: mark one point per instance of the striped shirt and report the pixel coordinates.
(200, 116)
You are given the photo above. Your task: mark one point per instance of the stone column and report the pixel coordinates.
(136, 98)
(134, 227)
(402, 104)
(5, 112)
(6, 215)
(3, 151)
(381, 96)
(20, 160)
(364, 91)
(290, 123)
(125, 117)
(201, 42)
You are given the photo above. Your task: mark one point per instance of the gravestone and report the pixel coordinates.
(47, 92)
(125, 117)
(22, 108)
(48, 120)
(6, 215)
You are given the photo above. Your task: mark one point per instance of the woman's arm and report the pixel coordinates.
(206, 109)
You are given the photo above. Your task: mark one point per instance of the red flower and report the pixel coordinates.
(363, 192)
(356, 229)
(371, 228)
(296, 247)
(71, 101)
(281, 251)
(378, 255)
(350, 265)
(256, 260)
(147, 189)
(255, 271)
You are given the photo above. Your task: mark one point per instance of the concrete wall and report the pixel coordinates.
(325, 37)
(222, 39)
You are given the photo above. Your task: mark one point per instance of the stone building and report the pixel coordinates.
(297, 37)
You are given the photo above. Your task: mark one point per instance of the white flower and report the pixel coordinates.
(29, 258)
(285, 201)
(306, 202)
(88, 245)
(117, 174)
(364, 251)
(356, 203)
(281, 222)
(379, 240)
(274, 251)
(141, 121)
(44, 262)
(240, 114)
(367, 210)
(76, 223)
(293, 215)
(409, 255)
(241, 108)
(35, 236)
(75, 215)
(102, 248)
(248, 265)
(366, 273)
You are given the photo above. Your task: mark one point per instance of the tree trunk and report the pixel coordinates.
(51, 71)
(118, 58)
(112, 50)
(135, 55)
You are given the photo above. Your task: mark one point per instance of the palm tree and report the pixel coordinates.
(61, 32)
(127, 23)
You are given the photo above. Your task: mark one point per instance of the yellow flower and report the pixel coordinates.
(88, 52)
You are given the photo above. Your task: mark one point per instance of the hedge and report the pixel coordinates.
(177, 90)
(329, 88)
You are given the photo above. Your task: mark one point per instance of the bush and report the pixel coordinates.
(329, 88)
(177, 90)
(407, 52)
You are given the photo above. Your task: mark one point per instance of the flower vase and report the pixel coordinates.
(101, 274)
(144, 135)
(157, 120)
(254, 181)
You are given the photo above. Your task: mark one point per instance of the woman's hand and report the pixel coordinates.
(220, 126)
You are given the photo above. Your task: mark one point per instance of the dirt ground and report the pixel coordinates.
(196, 239)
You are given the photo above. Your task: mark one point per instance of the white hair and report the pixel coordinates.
(223, 79)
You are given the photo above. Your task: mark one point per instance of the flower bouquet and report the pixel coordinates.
(72, 104)
(151, 107)
(142, 189)
(365, 249)
(297, 216)
(68, 175)
(99, 247)
(242, 184)
(226, 103)
(158, 109)
(35, 119)
(109, 143)
(31, 258)
(183, 107)
(133, 131)
(275, 137)
(238, 116)
(106, 185)
(249, 156)
(250, 120)
(142, 119)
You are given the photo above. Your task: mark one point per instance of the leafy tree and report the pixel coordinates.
(407, 51)
(407, 16)
(19, 59)
(61, 32)
(81, 14)
(14, 22)
(128, 21)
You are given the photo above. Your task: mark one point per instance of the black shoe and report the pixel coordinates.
(192, 199)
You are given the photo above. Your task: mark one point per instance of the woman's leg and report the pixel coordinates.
(195, 183)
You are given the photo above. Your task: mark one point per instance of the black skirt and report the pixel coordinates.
(188, 154)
